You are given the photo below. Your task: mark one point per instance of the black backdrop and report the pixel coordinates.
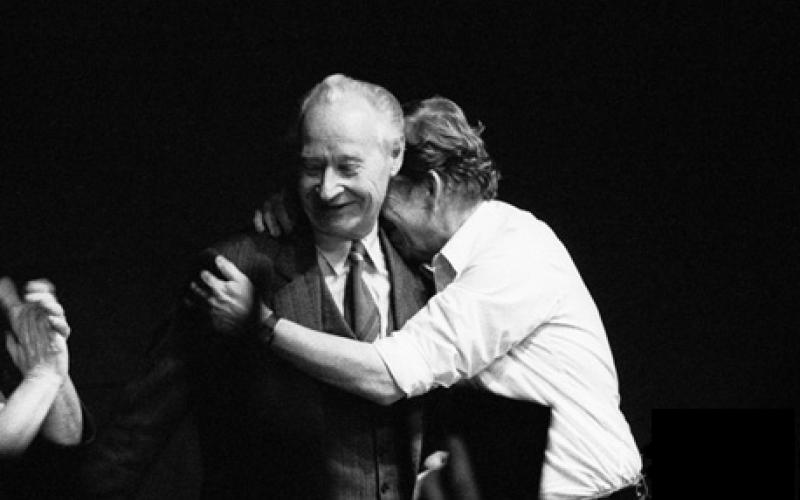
(657, 140)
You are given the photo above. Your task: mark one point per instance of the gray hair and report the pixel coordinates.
(337, 86)
(440, 139)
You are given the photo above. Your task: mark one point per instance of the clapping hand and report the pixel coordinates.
(38, 340)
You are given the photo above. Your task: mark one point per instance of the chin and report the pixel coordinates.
(343, 230)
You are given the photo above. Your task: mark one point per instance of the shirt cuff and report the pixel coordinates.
(406, 364)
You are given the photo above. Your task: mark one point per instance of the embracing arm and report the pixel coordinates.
(345, 363)
(348, 364)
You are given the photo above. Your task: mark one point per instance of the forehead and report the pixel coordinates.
(350, 125)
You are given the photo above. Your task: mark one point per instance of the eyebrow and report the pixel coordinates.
(348, 157)
(340, 157)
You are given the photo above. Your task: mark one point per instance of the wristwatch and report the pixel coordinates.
(266, 328)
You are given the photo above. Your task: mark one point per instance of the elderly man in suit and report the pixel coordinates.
(512, 329)
(267, 430)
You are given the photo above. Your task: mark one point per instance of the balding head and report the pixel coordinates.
(337, 88)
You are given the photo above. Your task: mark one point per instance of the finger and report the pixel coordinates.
(201, 293)
(46, 300)
(22, 326)
(200, 298)
(8, 292)
(59, 324)
(228, 269)
(436, 460)
(30, 330)
(40, 285)
(272, 224)
(213, 285)
(257, 222)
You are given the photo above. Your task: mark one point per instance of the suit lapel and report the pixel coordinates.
(408, 294)
(305, 299)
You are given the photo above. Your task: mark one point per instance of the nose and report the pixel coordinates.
(330, 185)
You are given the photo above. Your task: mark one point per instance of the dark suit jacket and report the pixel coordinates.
(266, 430)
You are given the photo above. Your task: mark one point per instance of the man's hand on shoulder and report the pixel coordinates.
(276, 216)
(227, 299)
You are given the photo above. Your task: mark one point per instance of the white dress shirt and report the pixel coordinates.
(513, 315)
(335, 265)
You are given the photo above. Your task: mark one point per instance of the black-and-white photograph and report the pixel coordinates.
(399, 251)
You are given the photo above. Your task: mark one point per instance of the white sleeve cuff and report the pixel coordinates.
(406, 364)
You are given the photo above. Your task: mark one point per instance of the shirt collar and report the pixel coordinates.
(336, 258)
(456, 252)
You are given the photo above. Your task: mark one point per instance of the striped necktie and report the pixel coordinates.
(361, 312)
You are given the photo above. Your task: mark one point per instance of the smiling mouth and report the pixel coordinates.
(331, 208)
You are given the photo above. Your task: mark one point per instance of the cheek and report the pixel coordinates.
(305, 185)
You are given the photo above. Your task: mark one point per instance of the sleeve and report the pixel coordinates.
(497, 300)
(161, 398)
(150, 409)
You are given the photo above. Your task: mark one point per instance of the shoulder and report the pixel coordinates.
(509, 222)
(262, 257)
(239, 248)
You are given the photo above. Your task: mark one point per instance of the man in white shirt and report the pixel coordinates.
(511, 314)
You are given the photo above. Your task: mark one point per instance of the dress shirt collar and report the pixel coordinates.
(455, 254)
(336, 258)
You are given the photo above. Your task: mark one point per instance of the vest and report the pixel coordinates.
(368, 446)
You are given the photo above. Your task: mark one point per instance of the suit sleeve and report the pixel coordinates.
(150, 409)
(160, 398)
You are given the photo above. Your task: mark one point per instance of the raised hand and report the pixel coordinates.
(39, 291)
(228, 301)
(45, 401)
(38, 344)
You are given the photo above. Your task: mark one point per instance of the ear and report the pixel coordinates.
(436, 187)
(396, 156)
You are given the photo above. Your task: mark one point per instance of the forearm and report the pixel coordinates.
(25, 410)
(64, 422)
(348, 364)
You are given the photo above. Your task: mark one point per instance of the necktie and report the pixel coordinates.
(361, 311)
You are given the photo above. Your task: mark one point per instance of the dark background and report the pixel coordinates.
(657, 140)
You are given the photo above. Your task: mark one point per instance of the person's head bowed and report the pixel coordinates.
(441, 142)
(446, 173)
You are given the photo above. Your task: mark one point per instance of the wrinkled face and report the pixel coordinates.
(345, 168)
(410, 221)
